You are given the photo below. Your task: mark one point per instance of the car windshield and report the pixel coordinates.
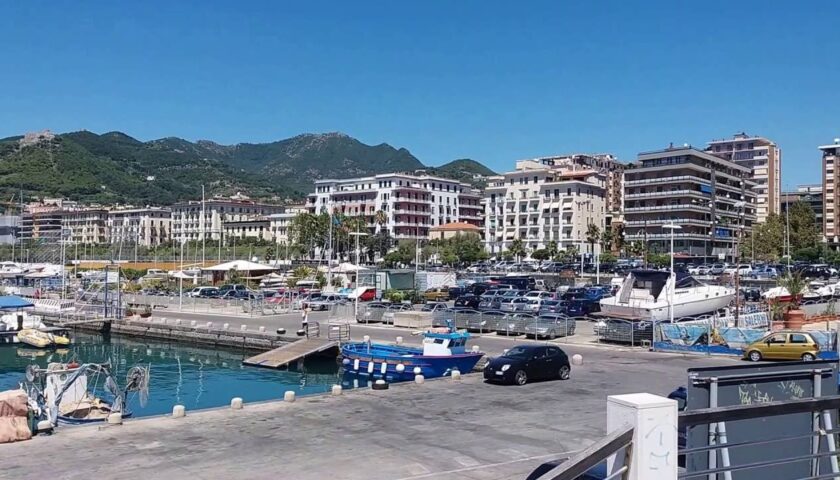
(518, 352)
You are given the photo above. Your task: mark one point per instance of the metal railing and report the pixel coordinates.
(617, 445)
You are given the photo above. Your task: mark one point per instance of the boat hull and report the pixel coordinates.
(660, 311)
(396, 364)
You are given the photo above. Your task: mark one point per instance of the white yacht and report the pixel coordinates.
(646, 295)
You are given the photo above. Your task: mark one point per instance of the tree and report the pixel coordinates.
(766, 238)
(592, 235)
(618, 237)
(379, 243)
(571, 253)
(803, 226)
(606, 240)
(516, 249)
(659, 260)
(636, 249)
(380, 218)
(540, 254)
(551, 249)
(607, 257)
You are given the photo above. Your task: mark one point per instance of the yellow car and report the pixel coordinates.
(784, 345)
(436, 294)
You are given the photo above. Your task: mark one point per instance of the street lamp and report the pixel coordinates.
(358, 254)
(672, 226)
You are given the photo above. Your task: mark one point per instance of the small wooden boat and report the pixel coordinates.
(34, 338)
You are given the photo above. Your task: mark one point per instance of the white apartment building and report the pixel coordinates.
(540, 202)
(188, 223)
(764, 158)
(258, 228)
(85, 225)
(409, 204)
(147, 226)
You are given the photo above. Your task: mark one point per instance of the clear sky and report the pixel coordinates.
(494, 81)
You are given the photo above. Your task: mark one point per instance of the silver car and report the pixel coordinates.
(513, 324)
(487, 321)
(515, 304)
(550, 326)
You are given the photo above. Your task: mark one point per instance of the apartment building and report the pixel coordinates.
(764, 158)
(406, 205)
(605, 164)
(830, 189)
(147, 226)
(86, 225)
(9, 229)
(810, 194)
(257, 228)
(710, 198)
(188, 223)
(543, 201)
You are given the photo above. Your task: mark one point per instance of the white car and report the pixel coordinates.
(539, 295)
(742, 269)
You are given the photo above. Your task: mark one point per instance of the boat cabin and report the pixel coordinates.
(440, 343)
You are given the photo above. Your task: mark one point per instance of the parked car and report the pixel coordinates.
(434, 306)
(232, 286)
(717, 269)
(551, 306)
(512, 323)
(550, 326)
(764, 272)
(486, 322)
(490, 300)
(793, 345)
(524, 363)
(514, 304)
(539, 295)
(325, 302)
(436, 294)
(202, 292)
(816, 271)
(468, 301)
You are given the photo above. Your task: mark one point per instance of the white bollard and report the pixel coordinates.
(225, 326)
(456, 375)
(336, 390)
(243, 327)
(236, 403)
(475, 349)
(400, 368)
(115, 418)
(262, 329)
(418, 379)
(399, 340)
(577, 359)
(178, 411)
(289, 396)
(192, 323)
(209, 325)
(655, 433)
(366, 338)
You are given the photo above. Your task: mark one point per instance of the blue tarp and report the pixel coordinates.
(12, 302)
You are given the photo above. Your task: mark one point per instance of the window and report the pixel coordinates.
(777, 338)
(798, 338)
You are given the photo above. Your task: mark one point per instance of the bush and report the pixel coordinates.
(394, 296)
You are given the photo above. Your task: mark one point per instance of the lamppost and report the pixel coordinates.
(671, 226)
(358, 255)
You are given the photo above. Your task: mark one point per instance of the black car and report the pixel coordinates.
(468, 301)
(528, 362)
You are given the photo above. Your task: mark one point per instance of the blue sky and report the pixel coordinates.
(494, 81)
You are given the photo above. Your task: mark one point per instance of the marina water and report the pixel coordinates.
(194, 376)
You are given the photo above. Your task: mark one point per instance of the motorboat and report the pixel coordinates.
(73, 393)
(444, 350)
(646, 295)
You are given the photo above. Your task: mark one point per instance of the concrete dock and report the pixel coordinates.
(443, 429)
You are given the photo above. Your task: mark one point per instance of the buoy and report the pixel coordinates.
(178, 411)
(115, 418)
(44, 426)
(577, 359)
(262, 329)
(380, 385)
(281, 331)
(236, 403)
(336, 390)
(417, 370)
(289, 396)
(345, 361)
(301, 332)
(400, 368)
(356, 364)
(225, 326)
(418, 379)
(383, 368)
(366, 338)
(243, 327)
(370, 366)
(475, 349)
(456, 374)
(399, 340)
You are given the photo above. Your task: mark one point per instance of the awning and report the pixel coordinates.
(14, 302)
(240, 265)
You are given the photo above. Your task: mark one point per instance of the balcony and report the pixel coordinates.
(402, 211)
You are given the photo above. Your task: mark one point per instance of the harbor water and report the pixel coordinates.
(194, 376)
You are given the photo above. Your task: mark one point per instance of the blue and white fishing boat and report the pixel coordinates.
(444, 350)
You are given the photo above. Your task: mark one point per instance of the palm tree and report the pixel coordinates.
(607, 240)
(593, 233)
(380, 218)
(551, 249)
(516, 248)
(618, 237)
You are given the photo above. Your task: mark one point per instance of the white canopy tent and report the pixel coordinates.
(239, 265)
(345, 267)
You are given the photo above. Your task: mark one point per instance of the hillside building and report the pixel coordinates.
(147, 226)
(188, 223)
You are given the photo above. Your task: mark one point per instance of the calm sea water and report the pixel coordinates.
(192, 376)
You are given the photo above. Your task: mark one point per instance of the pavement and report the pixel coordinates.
(441, 430)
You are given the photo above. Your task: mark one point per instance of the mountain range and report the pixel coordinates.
(116, 168)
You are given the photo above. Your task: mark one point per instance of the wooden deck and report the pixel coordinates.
(282, 356)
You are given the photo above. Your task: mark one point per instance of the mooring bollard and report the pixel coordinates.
(236, 403)
(243, 327)
(456, 375)
(225, 326)
(281, 331)
(192, 323)
(178, 411)
(301, 332)
(475, 349)
(262, 329)
(115, 418)
(577, 359)
(380, 385)
(418, 379)
(336, 390)
(366, 338)
(289, 396)
(399, 340)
